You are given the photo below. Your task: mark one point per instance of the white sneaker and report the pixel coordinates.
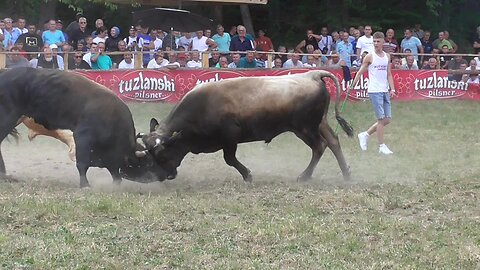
(383, 149)
(363, 140)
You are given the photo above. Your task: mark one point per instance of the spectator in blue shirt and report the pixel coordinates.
(52, 35)
(248, 61)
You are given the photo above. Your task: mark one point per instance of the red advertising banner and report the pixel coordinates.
(171, 85)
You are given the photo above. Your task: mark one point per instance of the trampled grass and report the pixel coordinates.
(417, 209)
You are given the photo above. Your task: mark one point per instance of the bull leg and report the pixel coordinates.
(334, 145)
(117, 178)
(231, 159)
(83, 158)
(315, 142)
(82, 170)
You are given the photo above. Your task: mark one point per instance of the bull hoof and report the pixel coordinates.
(304, 178)
(347, 176)
(8, 178)
(84, 185)
(249, 178)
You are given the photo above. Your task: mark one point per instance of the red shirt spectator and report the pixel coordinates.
(264, 43)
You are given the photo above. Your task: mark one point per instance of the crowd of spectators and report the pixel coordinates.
(111, 48)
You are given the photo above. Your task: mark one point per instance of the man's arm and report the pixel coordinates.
(300, 46)
(364, 67)
(390, 77)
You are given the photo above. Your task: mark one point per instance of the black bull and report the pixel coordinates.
(102, 124)
(220, 115)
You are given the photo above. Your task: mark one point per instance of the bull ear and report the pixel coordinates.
(153, 124)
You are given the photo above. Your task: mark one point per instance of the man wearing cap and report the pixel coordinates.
(133, 41)
(60, 28)
(52, 35)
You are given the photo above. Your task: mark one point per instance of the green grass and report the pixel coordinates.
(417, 209)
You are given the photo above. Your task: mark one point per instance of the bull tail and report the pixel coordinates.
(341, 121)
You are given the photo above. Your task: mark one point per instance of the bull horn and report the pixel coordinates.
(140, 135)
(141, 154)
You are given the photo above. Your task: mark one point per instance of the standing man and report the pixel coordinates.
(380, 80)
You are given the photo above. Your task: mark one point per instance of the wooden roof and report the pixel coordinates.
(180, 2)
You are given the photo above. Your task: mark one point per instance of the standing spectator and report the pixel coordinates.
(337, 38)
(293, 62)
(418, 32)
(326, 41)
(365, 42)
(158, 61)
(21, 22)
(233, 31)
(100, 60)
(66, 54)
(194, 60)
(207, 33)
(148, 45)
(111, 43)
(222, 40)
(102, 35)
(264, 43)
(32, 42)
(185, 40)
(241, 42)
(427, 45)
(235, 61)
(10, 34)
(133, 41)
(80, 33)
(73, 25)
(16, 59)
(440, 41)
(454, 45)
(412, 43)
(127, 62)
(410, 63)
(59, 26)
(476, 40)
(380, 90)
(311, 39)
(170, 42)
(391, 43)
(201, 43)
(345, 50)
(78, 62)
(52, 35)
(156, 35)
(98, 24)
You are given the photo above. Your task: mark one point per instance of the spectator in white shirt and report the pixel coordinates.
(127, 62)
(158, 61)
(194, 60)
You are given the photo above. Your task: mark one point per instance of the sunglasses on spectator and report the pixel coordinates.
(78, 56)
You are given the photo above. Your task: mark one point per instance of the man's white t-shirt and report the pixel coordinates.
(125, 65)
(365, 44)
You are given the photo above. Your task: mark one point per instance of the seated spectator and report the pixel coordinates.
(48, 60)
(172, 61)
(235, 61)
(282, 49)
(222, 63)
(121, 48)
(213, 61)
(127, 62)
(182, 60)
(16, 60)
(310, 62)
(277, 63)
(88, 55)
(444, 58)
(194, 60)
(410, 64)
(293, 62)
(261, 63)
(468, 77)
(334, 62)
(78, 62)
(248, 61)
(158, 62)
(358, 62)
(432, 64)
(111, 43)
(310, 50)
(396, 62)
(100, 60)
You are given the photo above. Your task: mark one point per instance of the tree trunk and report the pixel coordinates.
(47, 11)
(218, 14)
(247, 19)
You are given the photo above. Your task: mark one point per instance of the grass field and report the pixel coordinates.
(417, 209)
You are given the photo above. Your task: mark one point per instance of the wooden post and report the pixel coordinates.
(138, 60)
(65, 61)
(269, 60)
(204, 59)
(3, 60)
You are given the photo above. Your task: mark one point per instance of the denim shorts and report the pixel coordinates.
(381, 104)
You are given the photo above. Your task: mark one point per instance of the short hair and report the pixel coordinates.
(378, 35)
